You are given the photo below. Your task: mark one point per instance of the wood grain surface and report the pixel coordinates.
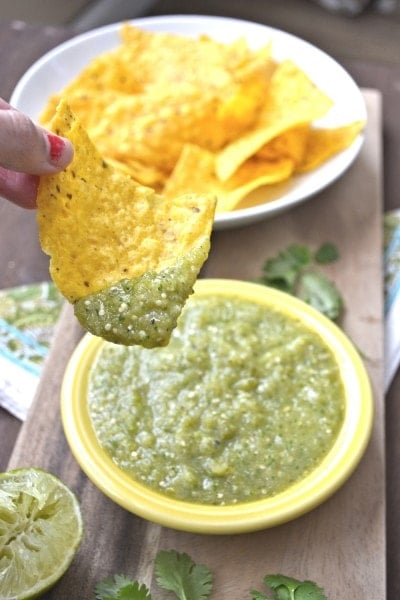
(340, 544)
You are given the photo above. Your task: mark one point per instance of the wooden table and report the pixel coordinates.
(22, 262)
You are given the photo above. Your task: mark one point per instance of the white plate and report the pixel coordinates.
(59, 66)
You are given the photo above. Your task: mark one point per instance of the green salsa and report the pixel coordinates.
(143, 310)
(243, 402)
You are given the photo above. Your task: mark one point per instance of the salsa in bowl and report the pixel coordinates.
(257, 410)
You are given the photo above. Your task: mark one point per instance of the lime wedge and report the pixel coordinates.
(40, 531)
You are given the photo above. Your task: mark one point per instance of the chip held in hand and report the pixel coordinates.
(125, 256)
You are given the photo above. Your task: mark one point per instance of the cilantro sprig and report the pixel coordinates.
(175, 572)
(120, 587)
(179, 574)
(287, 588)
(295, 270)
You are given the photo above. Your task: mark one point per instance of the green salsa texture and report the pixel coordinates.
(143, 310)
(242, 403)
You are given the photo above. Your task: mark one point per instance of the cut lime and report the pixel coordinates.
(40, 531)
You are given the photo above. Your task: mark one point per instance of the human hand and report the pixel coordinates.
(27, 151)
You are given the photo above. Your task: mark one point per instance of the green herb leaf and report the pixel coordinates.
(288, 588)
(292, 271)
(274, 581)
(309, 591)
(284, 586)
(179, 574)
(282, 270)
(299, 254)
(326, 253)
(121, 588)
(110, 586)
(134, 591)
(320, 293)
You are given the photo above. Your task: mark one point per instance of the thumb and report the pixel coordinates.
(28, 148)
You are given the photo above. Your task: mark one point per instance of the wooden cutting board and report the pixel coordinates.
(340, 544)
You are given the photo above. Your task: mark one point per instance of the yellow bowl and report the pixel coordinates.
(299, 498)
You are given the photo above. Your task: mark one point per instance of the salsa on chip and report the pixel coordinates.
(124, 255)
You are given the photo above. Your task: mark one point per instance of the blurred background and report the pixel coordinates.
(367, 29)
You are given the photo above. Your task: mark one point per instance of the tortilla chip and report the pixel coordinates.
(322, 144)
(154, 103)
(196, 170)
(100, 227)
(168, 61)
(292, 100)
(180, 90)
(152, 128)
(290, 144)
(142, 174)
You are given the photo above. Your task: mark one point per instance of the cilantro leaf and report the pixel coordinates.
(299, 254)
(274, 581)
(134, 591)
(322, 294)
(179, 574)
(282, 271)
(293, 271)
(121, 588)
(309, 591)
(110, 586)
(326, 253)
(284, 586)
(288, 588)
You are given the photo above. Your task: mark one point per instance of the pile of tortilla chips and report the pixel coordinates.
(125, 256)
(194, 115)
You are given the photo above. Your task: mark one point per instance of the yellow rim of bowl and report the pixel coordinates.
(303, 496)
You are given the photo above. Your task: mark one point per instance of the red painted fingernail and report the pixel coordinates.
(57, 146)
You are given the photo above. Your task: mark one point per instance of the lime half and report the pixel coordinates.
(40, 531)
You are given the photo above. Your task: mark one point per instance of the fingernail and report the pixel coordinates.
(57, 146)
